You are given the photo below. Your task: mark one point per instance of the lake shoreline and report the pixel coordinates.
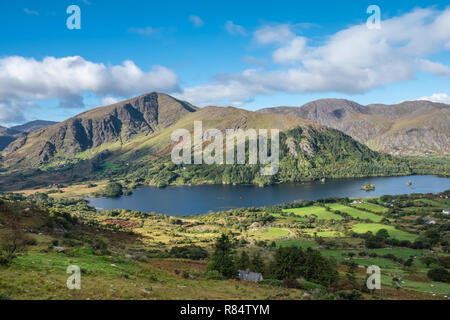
(201, 199)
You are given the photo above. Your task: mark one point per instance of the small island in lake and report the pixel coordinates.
(368, 187)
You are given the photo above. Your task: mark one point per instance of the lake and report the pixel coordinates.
(189, 200)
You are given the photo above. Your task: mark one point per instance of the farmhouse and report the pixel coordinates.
(247, 275)
(429, 221)
(446, 211)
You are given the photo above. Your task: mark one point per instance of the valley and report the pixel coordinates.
(125, 254)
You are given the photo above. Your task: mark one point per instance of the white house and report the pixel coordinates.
(446, 211)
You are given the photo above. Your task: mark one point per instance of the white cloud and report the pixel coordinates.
(354, 60)
(68, 78)
(196, 21)
(235, 29)
(435, 68)
(437, 97)
(24, 80)
(291, 53)
(108, 100)
(30, 12)
(270, 34)
(12, 111)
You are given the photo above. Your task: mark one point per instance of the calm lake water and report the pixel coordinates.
(189, 200)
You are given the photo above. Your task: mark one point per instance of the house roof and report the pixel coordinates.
(250, 276)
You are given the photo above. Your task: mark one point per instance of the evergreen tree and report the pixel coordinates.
(222, 258)
(257, 264)
(243, 262)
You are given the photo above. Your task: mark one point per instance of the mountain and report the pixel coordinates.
(8, 135)
(33, 126)
(131, 141)
(409, 128)
(105, 127)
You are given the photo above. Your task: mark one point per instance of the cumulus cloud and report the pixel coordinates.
(13, 111)
(435, 68)
(291, 53)
(437, 97)
(235, 29)
(196, 21)
(353, 60)
(106, 101)
(69, 78)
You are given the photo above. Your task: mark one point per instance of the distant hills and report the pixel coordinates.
(130, 140)
(8, 135)
(414, 128)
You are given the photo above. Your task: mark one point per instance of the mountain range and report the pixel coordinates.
(8, 135)
(130, 140)
(413, 128)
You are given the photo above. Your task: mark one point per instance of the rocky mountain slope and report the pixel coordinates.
(409, 128)
(32, 126)
(131, 140)
(97, 129)
(8, 135)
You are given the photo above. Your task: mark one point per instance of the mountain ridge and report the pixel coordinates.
(408, 128)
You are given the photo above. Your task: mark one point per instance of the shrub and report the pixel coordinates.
(4, 296)
(444, 261)
(310, 286)
(214, 275)
(189, 252)
(291, 283)
(439, 274)
(348, 295)
(3, 261)
(271, 282)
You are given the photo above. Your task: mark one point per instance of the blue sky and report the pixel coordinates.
(252, 54)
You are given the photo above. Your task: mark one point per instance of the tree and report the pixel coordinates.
(351, 273)
(222, 258)
(257, 264)
(113, 190)
(408, 263)
(243, 262)
(293, 262)
(428, 260)
(439, 274)
(383, 234)
(13, 240)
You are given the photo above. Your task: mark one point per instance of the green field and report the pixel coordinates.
(270, 233)
(355, 213)
(374, 227)
(320, 212)
(371, 207)
(297, 243)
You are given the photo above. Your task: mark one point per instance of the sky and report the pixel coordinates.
(249, 54)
